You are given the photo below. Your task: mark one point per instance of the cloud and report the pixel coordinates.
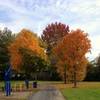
(35, 15)
(95, 40)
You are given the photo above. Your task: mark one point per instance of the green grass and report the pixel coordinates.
(81, 93)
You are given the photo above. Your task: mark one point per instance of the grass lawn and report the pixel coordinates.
(85, 91)
(81, 94)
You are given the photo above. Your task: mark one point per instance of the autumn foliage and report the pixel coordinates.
(70, 55)
(66, 49)
(53, 33)
(25, 39)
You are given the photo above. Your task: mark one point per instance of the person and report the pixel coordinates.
(27, 83)
(7, 76)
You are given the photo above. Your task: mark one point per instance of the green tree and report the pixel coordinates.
(6, 37)
(31, 63)
(93, 70)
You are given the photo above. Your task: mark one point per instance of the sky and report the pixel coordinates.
(37, 14)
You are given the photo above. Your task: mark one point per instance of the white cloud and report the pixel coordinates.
(36, 14)
(95, 41)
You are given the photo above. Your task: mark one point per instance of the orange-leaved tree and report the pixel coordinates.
(66, 71)
(25, 39)
(70, 53)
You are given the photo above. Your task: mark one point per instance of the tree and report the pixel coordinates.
(25, 39)
(70, 53)
(98, 61)
(66, 72)
(54, 33)
(6, 37)
(93, 72)
(31, 63)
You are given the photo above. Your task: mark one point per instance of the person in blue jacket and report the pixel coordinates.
(27, 83)
(7, 76)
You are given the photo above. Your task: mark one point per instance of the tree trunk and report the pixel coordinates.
(75, 80)
(65, 76)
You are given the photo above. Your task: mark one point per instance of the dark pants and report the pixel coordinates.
(27, 84)
(7, 88)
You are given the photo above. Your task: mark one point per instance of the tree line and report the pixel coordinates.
(59, 51)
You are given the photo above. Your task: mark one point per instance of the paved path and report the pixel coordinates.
(49, 93)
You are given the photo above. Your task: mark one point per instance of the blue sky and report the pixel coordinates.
(36, 14)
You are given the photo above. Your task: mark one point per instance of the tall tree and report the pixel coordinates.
(6, 37)
(25, 39)
(53, 33)
(70, 52)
